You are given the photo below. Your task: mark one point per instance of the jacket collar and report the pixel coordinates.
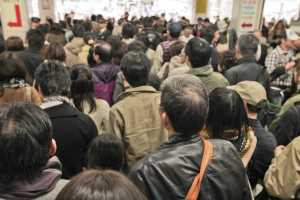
(250, 59)
(178, 138)
(202, 71)
(140, 89)
(40, 186)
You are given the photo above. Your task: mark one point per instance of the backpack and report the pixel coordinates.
(267, 112)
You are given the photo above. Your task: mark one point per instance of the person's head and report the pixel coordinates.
(290, 40)
(55, 52)
(184, 104)
(226, 113)
(102, 52)
(138, 46)
(26, 143)
(175, 29)
(118, 48)
(188, 30)
(35, 22)
(280, 25)
(177, 48)
(128, 31)
(12, 67)
(198, 52)
(104, 185)
(106, 152)
(35, 39)
(78, 30)
(93, 18)
(52, 78)
(136, 68)
(247, 46)
(252, 93)
(82, 88)
(14, 43)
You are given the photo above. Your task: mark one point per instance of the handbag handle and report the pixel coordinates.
(194, 190)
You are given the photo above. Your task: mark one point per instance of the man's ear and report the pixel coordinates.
(165, 120)
(53, 148)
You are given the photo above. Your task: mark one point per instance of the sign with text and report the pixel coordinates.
(14, 18)
(247, 15)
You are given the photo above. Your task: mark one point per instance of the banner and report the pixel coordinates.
(14, 18)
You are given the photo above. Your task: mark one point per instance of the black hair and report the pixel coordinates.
(78, 30)
(25, 139)
(128, 31)
(106, 152)
(184, 98)
(199, 52)
(14, 43)
(137, 46)
(104, 51)
(136, 68)
(175, 29)
(248, 45)
(227, 112)
(176, 48)
(11, 66)
(2, 43)
(118, 48)
(35, 39)
(93, 18)
(82, 88)
(104, 185)
(53, 78)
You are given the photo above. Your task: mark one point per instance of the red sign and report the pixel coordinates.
(247, 25)
(18, 21)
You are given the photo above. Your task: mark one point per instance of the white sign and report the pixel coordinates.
(14, 18)
(247, 15)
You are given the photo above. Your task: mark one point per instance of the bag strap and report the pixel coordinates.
(194, 190)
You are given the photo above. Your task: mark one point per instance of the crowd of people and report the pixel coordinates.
(149, 109)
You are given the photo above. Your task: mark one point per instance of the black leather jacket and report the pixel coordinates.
(168, 173)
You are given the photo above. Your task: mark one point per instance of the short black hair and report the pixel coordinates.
(136, 68)
(184, 98)
(53, 78)
(106, 152)
(175, 29)
(227, 112)
(248, 45)
(104, 51)
(128, 31)
(25, 139)
(199, 52)
(35, 39)
(137, 46)
(95, 184)
(14, 43)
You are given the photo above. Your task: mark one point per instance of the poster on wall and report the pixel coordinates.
(14, 18)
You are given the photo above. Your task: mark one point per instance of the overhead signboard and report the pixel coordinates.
(247, 15)
(14, 18)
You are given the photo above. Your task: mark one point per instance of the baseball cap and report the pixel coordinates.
(292, 35)
(250, 91)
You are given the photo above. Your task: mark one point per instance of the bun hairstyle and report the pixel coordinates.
(82, 88)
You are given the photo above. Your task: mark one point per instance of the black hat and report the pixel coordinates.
(175, 28)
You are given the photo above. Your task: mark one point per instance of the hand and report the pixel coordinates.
(290, 65)
(278, 150)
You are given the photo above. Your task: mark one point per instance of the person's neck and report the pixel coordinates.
(252, 116)
(284, 47)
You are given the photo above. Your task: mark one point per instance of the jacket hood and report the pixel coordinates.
(202, 71)
(75, 46)
(105, 73)
(40, 186)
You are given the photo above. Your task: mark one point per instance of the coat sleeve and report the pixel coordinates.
(283, 176)
(116, 126)
(231, 77)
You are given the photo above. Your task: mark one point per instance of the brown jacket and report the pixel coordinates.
(282, 179)
(136, 120)
(27, 94)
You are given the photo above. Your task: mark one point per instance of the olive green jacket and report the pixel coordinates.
(136, 120)
(211, 79)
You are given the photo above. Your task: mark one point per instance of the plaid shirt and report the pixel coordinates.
(279, 58)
